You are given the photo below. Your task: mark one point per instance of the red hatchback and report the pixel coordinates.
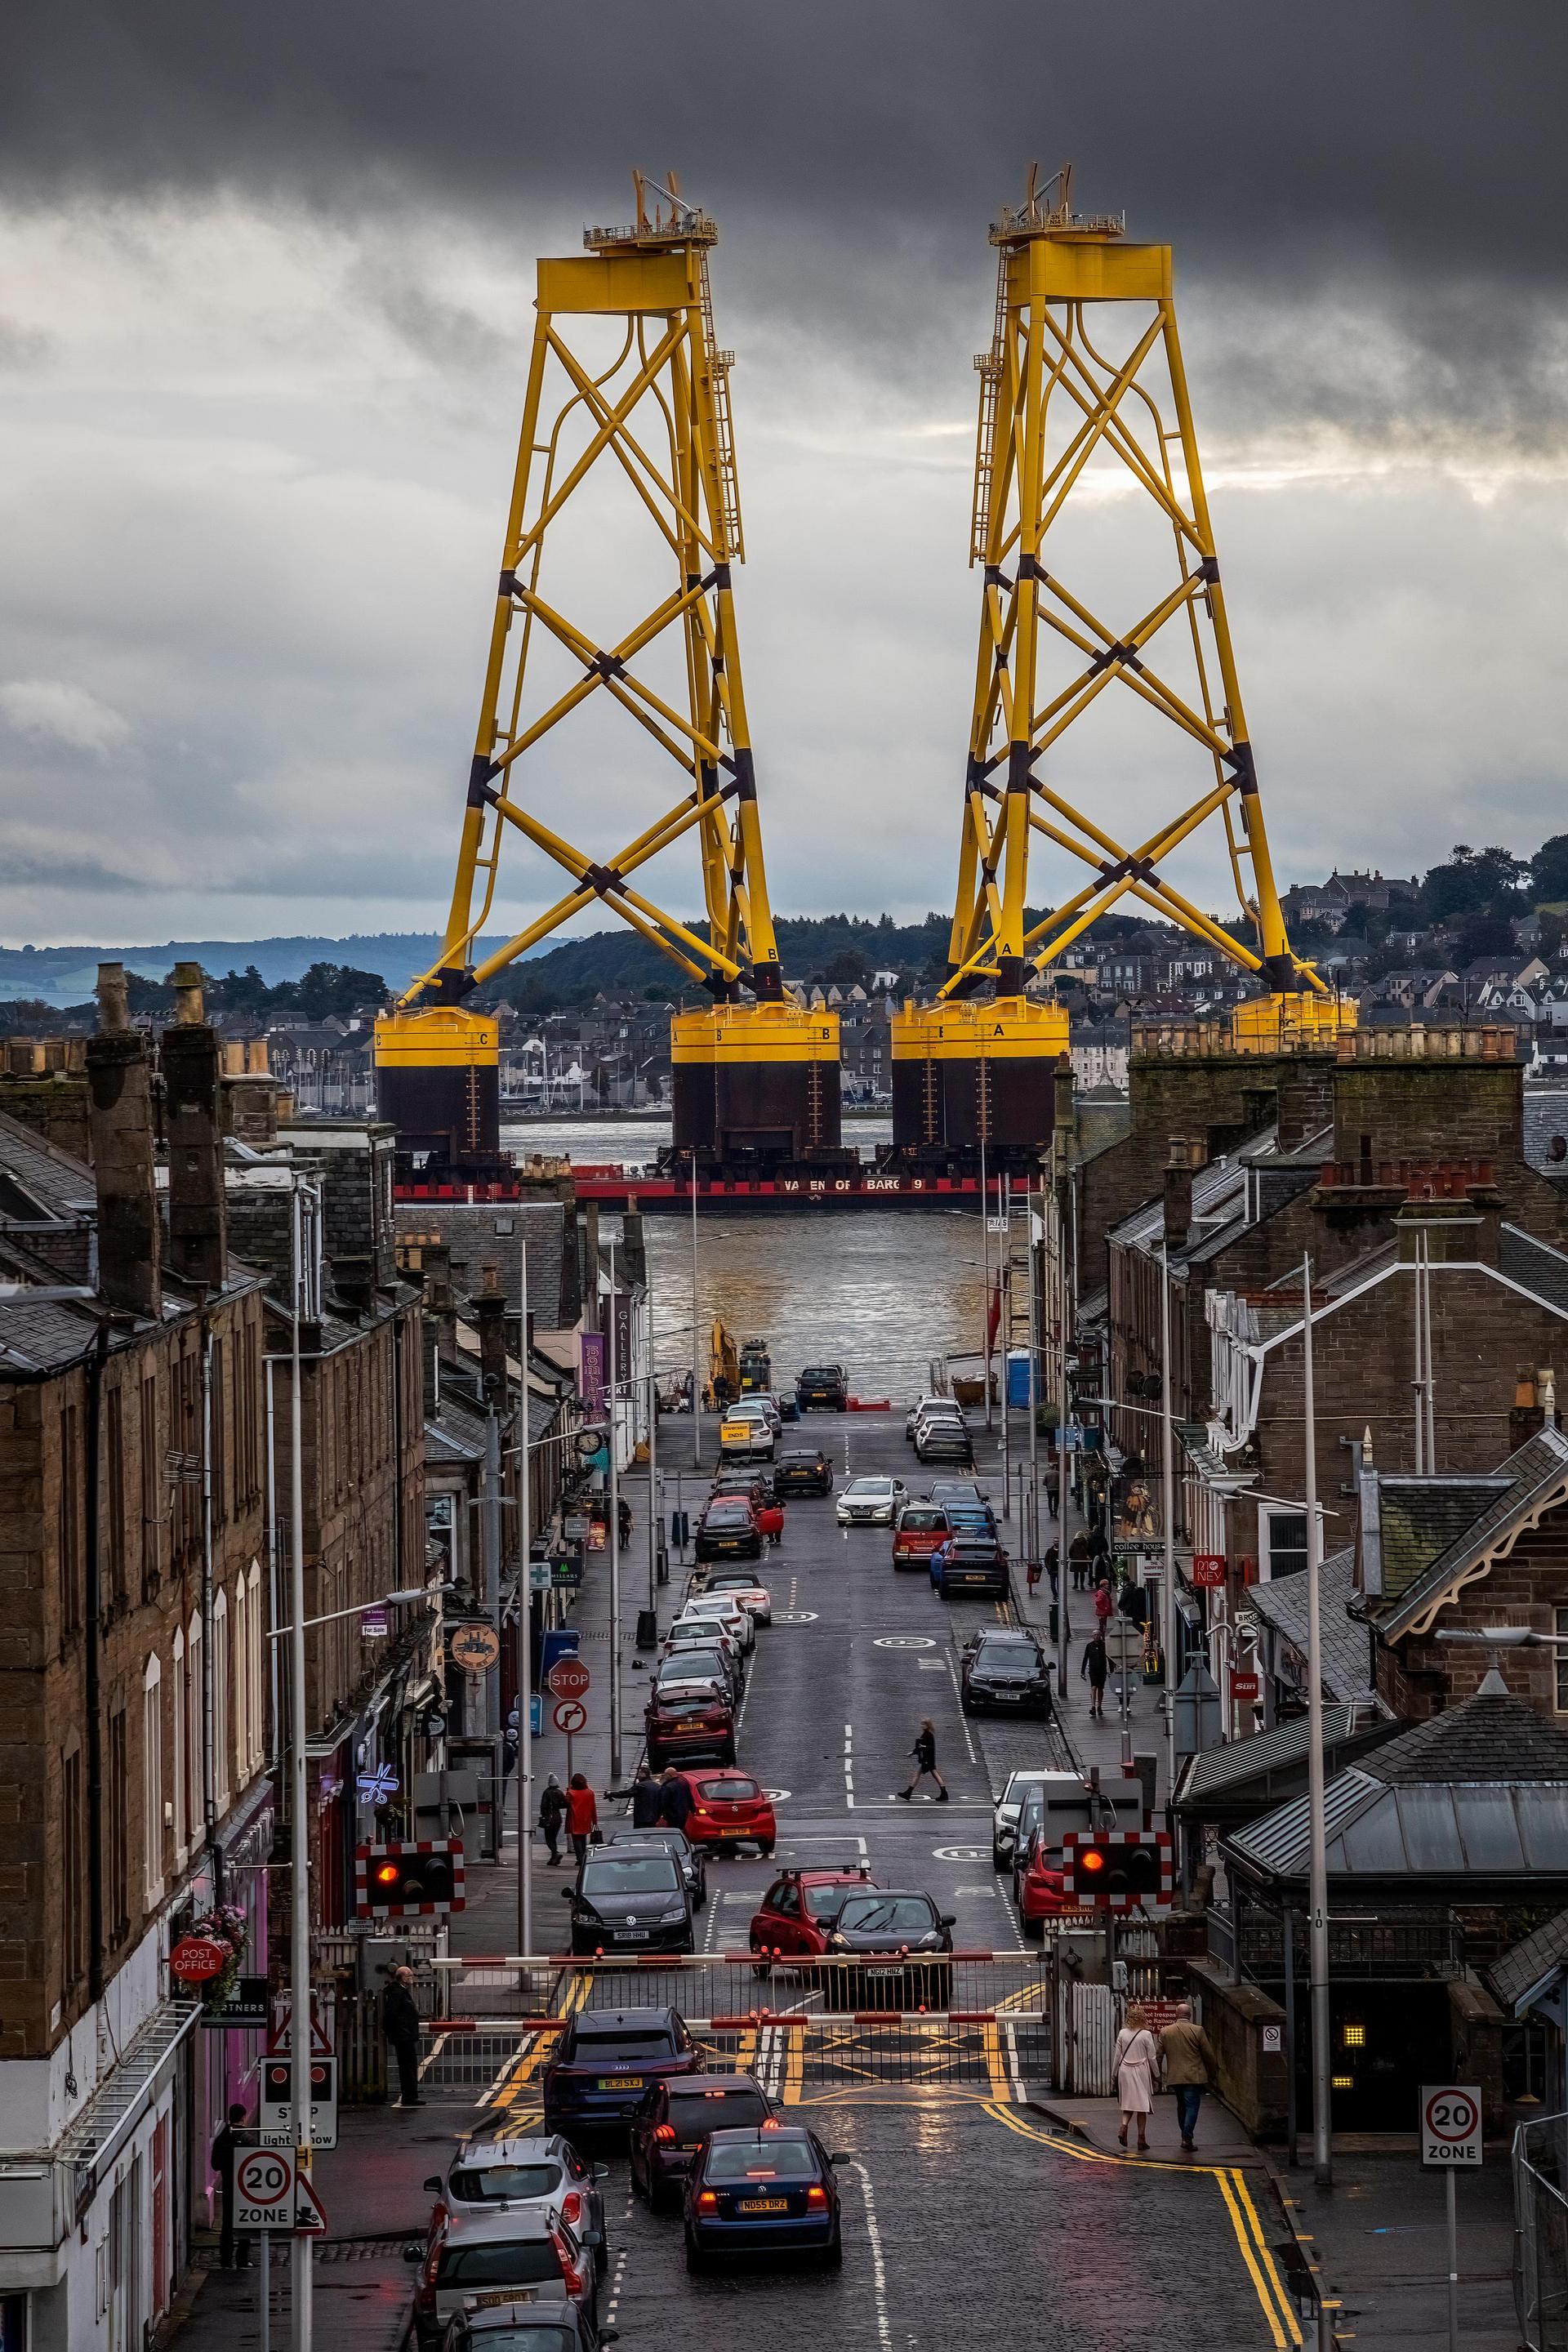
(1040, 1884)
(729, 1808)
(917, 1531)
(799, 1909)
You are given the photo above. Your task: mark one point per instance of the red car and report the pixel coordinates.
(799, 1909)
(1040, 1886)
(729, 1808)
(917, 1531)
(684, 1719)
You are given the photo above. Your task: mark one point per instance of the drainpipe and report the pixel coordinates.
(209, 1754)
(95, 1362)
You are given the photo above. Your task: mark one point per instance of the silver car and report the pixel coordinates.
(493, 2176)
(869, 1502)
(474, 2260)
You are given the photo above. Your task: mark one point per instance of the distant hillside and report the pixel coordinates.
(614, 961)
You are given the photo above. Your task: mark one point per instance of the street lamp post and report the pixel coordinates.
(1168, 1521)
(614, 1546)
(524, 1648)
(984, 1278)
(696, 1335)
(1318, 1867)
(302, 2278)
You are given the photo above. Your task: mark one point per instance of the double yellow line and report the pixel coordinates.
(509, 2092)
(1284, 2326)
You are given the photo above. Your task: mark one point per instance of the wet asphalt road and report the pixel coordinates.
(967, 2223)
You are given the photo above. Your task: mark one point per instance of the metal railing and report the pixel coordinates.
(1541, 2233)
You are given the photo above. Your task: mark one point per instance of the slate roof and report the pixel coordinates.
(1218, 1773)
(1536, 1268)
(1424, 1518)
(1535, 1956)
(1282, 1604)
(1523, 1486)
(1477, 1794)
(62, 1186)
(1493, 1737)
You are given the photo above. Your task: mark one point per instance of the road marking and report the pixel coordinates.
(964, 1719)
(849, 1765)
(1268, 2285)
(879, 2268)
(903, 1642)
(929, 1666)
(958, 1854)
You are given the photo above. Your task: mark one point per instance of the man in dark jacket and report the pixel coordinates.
(226, 2147)
(551, 1814)
(400, 2023)
(676, 1799)
(647, 1801)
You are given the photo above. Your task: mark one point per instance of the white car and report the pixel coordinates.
(498, 2175)
(721, 1609)
(1009, 1805)
(760, 1407)
(741, 1586)
(870, 1502)
(917, 1406)
(702, 1634)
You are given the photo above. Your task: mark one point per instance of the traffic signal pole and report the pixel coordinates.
(615, 1547)
(302, 2276)
(1318, 1867)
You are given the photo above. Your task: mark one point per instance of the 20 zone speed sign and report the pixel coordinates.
(1451, 2126)
(264, 2188)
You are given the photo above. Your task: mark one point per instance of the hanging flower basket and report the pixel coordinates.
(230, 1929)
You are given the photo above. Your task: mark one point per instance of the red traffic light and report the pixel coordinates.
(389, 1873)
(1092, 1860)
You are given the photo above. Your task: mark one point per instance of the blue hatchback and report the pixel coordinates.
(763, 2191)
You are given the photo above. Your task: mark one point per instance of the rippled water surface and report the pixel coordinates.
(881, 1290)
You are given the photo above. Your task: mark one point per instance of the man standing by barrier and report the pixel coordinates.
(400, 2023)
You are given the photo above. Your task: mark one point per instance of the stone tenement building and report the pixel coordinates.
(134, 1732)
(368, 1693)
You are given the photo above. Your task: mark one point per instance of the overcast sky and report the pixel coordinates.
(266, 279)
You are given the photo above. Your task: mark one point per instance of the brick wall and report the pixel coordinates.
(150, 1556)
(1420, 1676)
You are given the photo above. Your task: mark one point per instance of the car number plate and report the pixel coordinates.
(631, 1935)
(1008, 1699)
(502, 2295)
(764, 2205)
(737, 1830)
(620, 2082)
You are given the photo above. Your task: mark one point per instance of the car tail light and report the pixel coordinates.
(817, 2198)
(432, 2265)
(665, 2135)
(707, 2202)
(571, 2207)
(574, 2281)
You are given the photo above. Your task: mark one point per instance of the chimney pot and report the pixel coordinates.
(189, 1009)
(113, 999)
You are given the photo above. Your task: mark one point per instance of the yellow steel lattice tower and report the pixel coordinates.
(1083, 372)
(656, 420)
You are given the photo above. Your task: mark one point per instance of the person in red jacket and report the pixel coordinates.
(770, 1519)
(582, 1814)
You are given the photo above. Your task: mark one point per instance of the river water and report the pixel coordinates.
(881, 1290)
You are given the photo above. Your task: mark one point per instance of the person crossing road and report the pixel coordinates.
(924, 1753)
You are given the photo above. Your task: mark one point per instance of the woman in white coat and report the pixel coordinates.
(1136, 2062)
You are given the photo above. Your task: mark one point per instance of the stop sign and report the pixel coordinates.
(195, 1957)
(569, 1678)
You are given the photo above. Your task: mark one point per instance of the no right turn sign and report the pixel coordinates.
(1451, 2126)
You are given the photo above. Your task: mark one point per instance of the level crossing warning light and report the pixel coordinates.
(1119, 1870)
(405, 1880)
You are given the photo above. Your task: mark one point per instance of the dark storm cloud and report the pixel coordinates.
(1427, 131)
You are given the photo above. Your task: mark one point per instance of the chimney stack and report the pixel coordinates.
(198, 1219)
(1178, 1193)
(121, 1117)
(1061, 1096)
(490, 1313)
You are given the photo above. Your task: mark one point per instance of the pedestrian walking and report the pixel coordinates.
(647, 1800)
(924, 1753)
(1134, 2062)
(1053, 1568)
(226, 2146)
(400, 2023)
(1104, 1604)
(551, 1814)
(1095, 1667)
(676, 1799)
(581, 1815)
(1077, 1560)
(1190, 2068)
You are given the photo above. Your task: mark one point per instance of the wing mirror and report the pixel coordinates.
(950, 1919)
(413, 2252)
(434, 2182)
(841, 2156)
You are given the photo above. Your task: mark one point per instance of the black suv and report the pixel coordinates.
(1004, 1671)
(803, 1470)
(823, 1384)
